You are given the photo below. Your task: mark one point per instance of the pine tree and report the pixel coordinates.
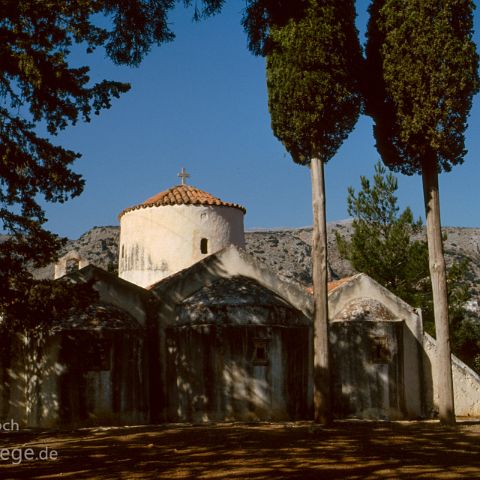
(421, 74)
(381, 244)
(312, 62)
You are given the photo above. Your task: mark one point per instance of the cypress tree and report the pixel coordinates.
(421, 74)
(312, 66)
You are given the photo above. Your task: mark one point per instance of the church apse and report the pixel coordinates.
(173, 230)
(237, 352)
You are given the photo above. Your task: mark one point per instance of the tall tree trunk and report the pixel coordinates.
(439, 287)
(321, 370)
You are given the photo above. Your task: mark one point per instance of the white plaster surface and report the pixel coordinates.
(362, 286)
(156, 242)
(61, 265)
(466, 383)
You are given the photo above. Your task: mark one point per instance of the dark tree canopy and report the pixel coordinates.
(261, 15)
(40, 90)
(312, 67)
(421, 74)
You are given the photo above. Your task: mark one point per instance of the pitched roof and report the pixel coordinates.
(336, 283)
(183, 195)
(237, 300)
(332, 285)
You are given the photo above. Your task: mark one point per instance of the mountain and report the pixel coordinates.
(286, 251)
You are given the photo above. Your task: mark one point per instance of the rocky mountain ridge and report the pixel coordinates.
(286, 251)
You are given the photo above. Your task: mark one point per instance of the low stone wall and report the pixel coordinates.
(466, 383)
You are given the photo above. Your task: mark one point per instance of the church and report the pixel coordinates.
(194, 329)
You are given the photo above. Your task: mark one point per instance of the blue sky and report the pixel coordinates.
(200, 102)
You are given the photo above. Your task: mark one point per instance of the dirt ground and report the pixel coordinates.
(346, 450)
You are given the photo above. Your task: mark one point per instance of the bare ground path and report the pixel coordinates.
(347, 450)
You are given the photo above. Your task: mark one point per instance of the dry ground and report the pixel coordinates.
(347, 450)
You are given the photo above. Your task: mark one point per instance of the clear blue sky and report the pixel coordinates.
(200, 102)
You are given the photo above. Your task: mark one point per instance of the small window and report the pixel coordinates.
(98, 355)
(380, 351)
(123, 251)
(260, 352)
(204, 246)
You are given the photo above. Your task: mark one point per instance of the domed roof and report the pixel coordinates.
(237, 300)
(365, 309)
(183, 195)
(98, 316)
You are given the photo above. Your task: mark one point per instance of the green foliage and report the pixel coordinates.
(261, 15)
(312, 66)
(381, 245)
(421, 74)
(476, 361)
(464, 327)
(38, 304)
(112, 267)
(39, 89)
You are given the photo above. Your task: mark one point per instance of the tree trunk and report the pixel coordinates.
(321, 371)
(439, 288)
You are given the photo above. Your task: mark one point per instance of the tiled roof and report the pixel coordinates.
(337, 283)
(183, 195)
(332, 285)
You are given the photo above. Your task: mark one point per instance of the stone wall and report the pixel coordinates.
(13, 379)
(466, 383)
(362, 288)
(367, 361)
(237, 373)
(75, 378)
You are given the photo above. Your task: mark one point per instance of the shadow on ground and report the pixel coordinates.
(347, 450)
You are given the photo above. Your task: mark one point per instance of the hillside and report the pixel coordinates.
(286, 251)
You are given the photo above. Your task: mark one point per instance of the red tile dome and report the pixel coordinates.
(183, 195)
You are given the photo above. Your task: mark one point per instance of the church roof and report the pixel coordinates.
(235, 291)
(183, 195)
(98, 316)
(332, 285)
(237, 300)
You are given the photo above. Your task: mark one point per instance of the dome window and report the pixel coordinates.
(204, 246)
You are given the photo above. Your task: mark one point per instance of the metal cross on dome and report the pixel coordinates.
(183, 175)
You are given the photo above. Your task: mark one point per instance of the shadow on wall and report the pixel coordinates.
(367, 359)
(103, 382)
(73, 378)
(28, 393)
(429, 408)
(247, 373)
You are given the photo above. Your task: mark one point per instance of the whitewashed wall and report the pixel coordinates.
(156, 242)
(466, 383)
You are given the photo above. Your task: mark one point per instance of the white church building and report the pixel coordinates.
(194, 329)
